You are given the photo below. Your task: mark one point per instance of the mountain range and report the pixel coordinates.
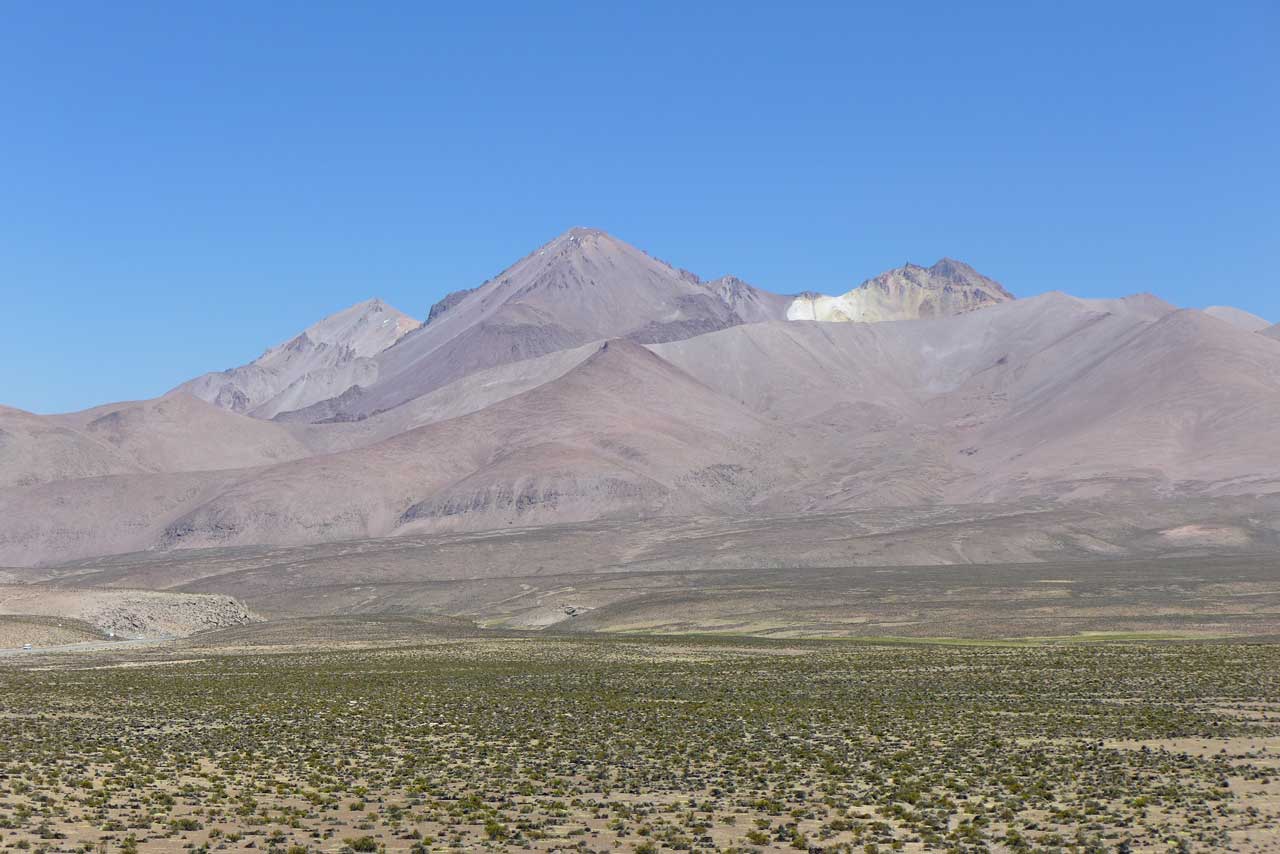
(592, 382)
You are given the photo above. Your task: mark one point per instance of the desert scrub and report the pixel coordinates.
(646, 744)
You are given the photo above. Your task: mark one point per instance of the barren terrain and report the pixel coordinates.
(124, 613)
(1195, 568)
(591, 382)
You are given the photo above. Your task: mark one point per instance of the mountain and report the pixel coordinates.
(1272, 332)
(624, 434)
(587, 286)
(1045, 397)
(35, 449)
(797, 371)
(471, 393)
(1238, 317)
(909, 292)
(1145, 306)
(174, 433)
(1181, 406)
(321, 362)
(178, 432)
(748, 302)
(1048, 398)
(591, 382)
(583, 286)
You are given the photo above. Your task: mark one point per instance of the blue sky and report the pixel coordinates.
(184, 184)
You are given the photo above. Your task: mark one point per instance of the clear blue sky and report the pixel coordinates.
(184, 184)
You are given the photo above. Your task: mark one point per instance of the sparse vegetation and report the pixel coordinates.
(649, 744)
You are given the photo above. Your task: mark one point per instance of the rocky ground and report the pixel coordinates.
(123, 613)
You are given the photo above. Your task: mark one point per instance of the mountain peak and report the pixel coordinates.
(582, 237)
(908, 292)
(369, 327)
(950, 267)
(945, 273)
(584, 285)
(577, 246)
(322, 361)
(580, 231)
(751, 304)
(598, 245)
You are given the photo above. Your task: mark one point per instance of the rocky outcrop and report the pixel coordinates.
(449, 301)
(127, 613)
